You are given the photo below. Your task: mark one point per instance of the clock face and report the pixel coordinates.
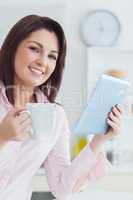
(100, 28)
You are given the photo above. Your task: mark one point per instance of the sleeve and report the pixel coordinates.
(64, 176)
(4, 173)
(8, 152)
(8, 156)
(101, 169)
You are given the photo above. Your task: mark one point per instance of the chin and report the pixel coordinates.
(33, 83)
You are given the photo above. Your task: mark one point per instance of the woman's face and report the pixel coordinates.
(36, 58)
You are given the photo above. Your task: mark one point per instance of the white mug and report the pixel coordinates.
(43, 119)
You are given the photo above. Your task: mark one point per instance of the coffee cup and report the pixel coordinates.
(42, 118)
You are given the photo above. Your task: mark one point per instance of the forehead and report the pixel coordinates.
(46, 38)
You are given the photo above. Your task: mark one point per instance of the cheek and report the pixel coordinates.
(22, 61)
(52, 68)
(49, 72)
(23, 58)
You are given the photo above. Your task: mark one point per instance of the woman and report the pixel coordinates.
(32, 61)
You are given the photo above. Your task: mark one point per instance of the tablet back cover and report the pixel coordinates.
(109, 91)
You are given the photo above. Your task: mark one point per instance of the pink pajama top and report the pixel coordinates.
(20, 160)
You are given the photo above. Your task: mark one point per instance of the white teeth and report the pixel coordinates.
(36, 71)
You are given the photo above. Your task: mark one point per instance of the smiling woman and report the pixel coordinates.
(36, 46)
(32, 60)
(35, 59)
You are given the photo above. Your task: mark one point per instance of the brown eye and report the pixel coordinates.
(35, 49)
(52, 57)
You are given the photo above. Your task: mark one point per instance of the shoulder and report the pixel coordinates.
(3, 98)
(3, 102)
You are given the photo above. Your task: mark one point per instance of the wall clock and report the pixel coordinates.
(100, 28)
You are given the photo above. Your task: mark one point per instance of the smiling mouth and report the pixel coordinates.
(36, 71)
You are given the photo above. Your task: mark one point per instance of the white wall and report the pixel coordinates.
(70, 15)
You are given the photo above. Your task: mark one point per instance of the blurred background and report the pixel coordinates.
(88, 56)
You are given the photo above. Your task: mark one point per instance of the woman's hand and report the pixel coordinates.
(114, 121)
(16, 125)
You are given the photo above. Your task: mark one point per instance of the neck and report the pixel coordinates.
(23, 95)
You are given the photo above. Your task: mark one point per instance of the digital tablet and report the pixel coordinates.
(109, 91)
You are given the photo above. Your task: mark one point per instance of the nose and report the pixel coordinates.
(42, 61)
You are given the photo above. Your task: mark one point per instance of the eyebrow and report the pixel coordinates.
(41, 46)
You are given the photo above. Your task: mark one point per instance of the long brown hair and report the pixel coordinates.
(20, 31)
